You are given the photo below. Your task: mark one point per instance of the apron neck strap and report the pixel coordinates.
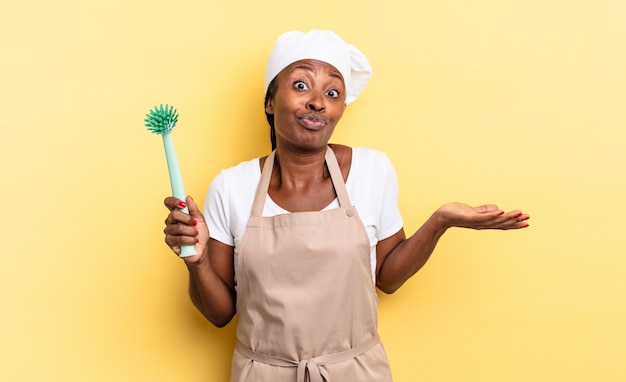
(266, 174)
(337, 178)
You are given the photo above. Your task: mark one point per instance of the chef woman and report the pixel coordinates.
(296, 243)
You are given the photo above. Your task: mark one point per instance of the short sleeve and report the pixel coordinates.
(390, 219)
(216, 210)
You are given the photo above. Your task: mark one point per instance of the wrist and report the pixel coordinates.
(440, 221)
(196, 261)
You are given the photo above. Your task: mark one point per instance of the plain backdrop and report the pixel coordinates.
(518, 103)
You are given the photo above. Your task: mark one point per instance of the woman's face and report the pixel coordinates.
(308, 102)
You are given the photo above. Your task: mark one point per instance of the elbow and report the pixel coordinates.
(219, 322)
(218, 318)
(388, 283)
(388, 288)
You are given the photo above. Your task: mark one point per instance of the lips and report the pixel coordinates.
(312, 121)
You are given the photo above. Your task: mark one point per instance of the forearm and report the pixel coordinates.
(210, 294)
(401, 258)
(410, 255)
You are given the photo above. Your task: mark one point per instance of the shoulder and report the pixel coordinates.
(237, 177)
(371, 169)
(341, 151)
(231, 192)
(347, 154)
(246, 168)
(369, 154)
(370, 159)
(361, 159)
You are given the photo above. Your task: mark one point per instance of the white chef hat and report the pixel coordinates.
(324, 46)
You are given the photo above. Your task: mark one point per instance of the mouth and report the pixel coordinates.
(312, 121)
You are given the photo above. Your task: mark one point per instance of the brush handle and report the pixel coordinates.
(176, 181)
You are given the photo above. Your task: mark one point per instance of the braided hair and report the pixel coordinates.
(271, 90)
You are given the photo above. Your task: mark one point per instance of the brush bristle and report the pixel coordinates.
(161, 120)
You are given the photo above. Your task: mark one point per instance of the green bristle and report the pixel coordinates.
(161, 120)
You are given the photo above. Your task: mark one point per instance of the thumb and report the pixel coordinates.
(194, 211)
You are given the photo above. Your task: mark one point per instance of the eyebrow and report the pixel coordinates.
(310, 69)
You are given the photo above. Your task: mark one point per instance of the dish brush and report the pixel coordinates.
(161, 120)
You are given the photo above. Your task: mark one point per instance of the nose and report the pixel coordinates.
(316, 102)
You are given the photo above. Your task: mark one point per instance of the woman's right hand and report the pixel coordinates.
(211, 269)
(185, 229)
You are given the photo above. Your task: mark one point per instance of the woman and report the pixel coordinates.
(296, 242)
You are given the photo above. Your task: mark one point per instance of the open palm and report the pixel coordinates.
(487, 216)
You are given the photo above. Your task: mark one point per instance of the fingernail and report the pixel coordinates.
(197, 241)
(195, 222)
(525, 225)
(182, 204)
(501, 213)
(518, 214)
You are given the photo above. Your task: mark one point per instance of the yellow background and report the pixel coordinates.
(520, 103)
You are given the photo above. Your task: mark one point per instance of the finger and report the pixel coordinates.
(522, 221)
(179, 240)
(177, 235)
(178, 217)
(198, 221)
(175, 242)
(194, 210)
(516, 225)
(517, 216)
(180, 229)
(515, 220)
(173, 203)
(498, 219)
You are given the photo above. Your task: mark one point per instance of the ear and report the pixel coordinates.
(269, 107)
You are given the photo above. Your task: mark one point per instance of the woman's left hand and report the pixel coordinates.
(487, 216)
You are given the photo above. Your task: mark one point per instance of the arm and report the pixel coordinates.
(211, 270)
(399, 258)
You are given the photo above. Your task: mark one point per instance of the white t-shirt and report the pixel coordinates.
(372, 186)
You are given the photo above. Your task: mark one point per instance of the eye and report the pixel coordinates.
(333, 93)
(300, 85)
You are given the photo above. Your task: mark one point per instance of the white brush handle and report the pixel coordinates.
(176, 181)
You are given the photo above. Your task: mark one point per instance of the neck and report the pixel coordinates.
(293, 169)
